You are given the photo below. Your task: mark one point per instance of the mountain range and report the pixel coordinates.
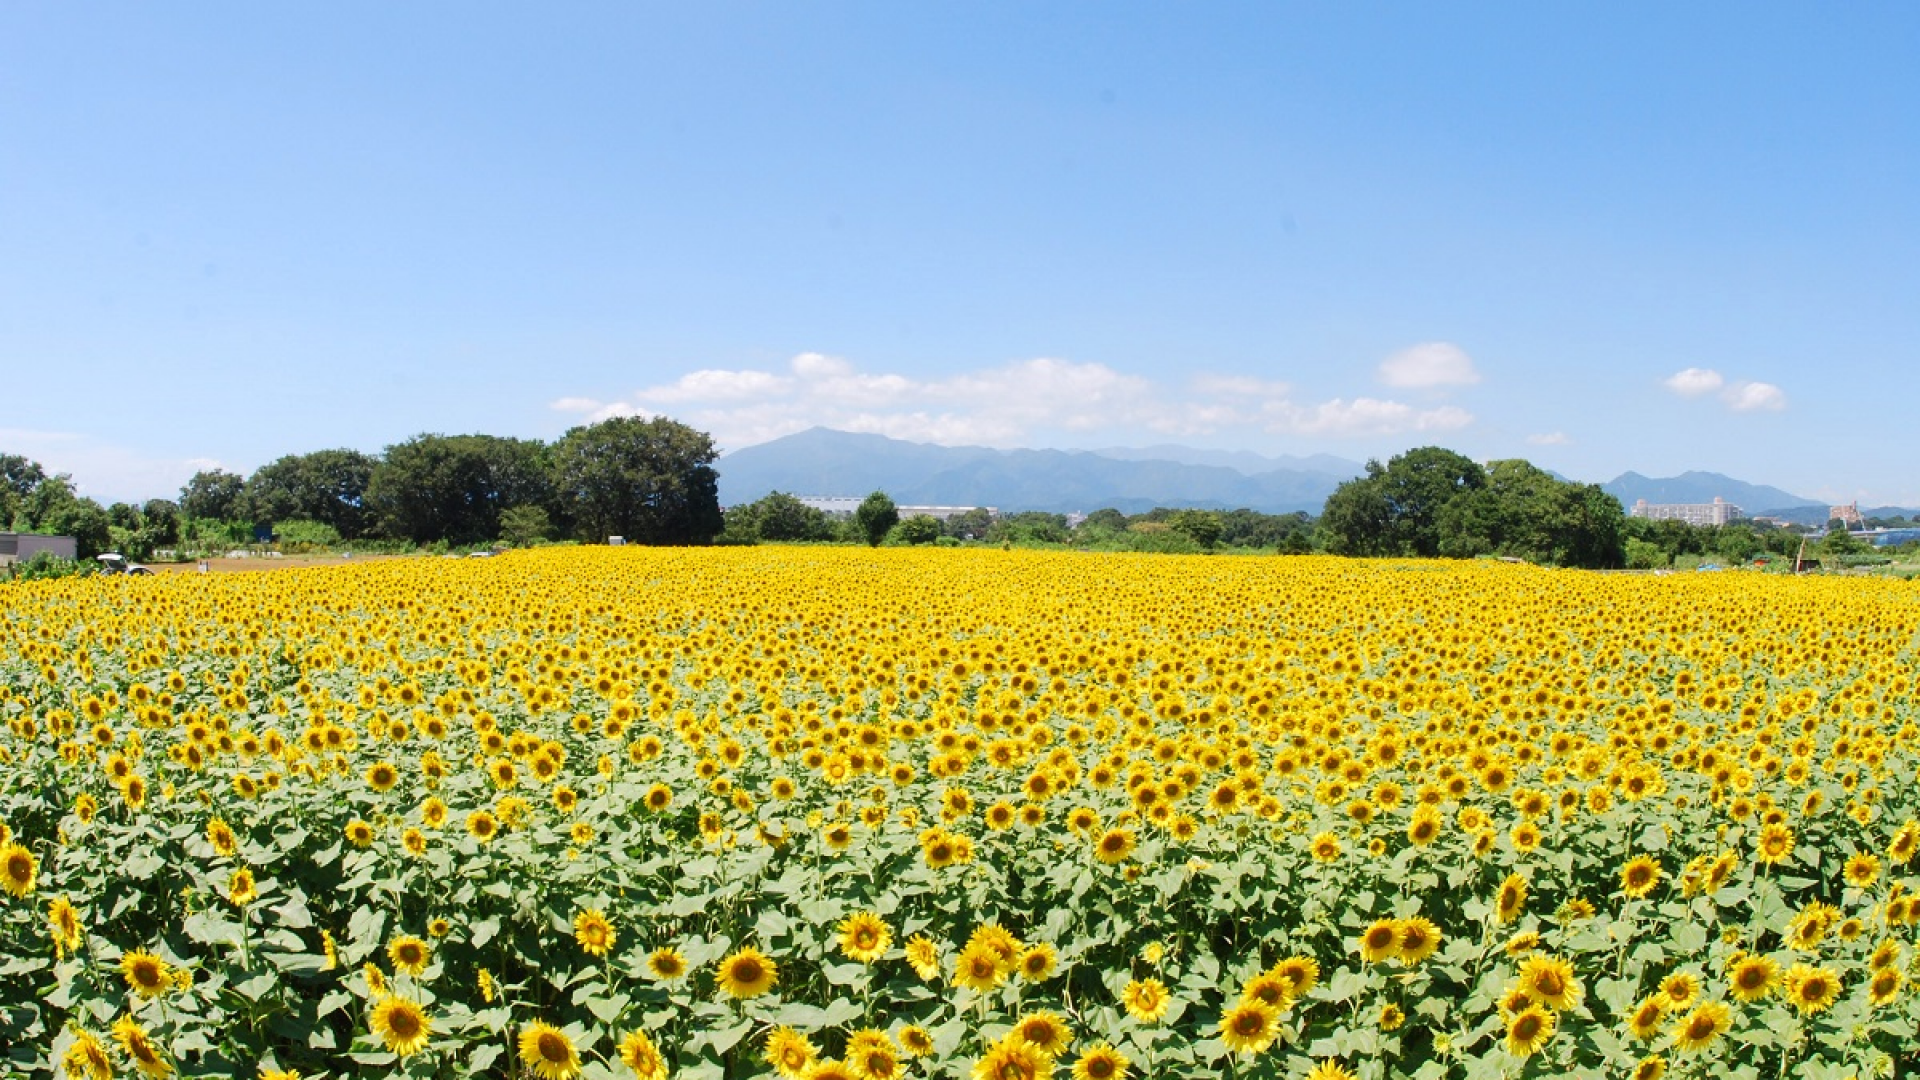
(821, 461)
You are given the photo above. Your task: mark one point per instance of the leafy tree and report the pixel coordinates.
(524, 526)
(918, 529)
(455, 487)
(328, 486)
(1203, 527)
(1030, 527)
(875, 518)
(1252, 529)
(780, 516)
(1646, 555)
(651, 481)
(162, 516)
(214, 494)
(1358, 519)
(969, 525)
(1524, 512)
(1105, 519)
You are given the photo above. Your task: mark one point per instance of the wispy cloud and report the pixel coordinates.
(1549, 438)
(1005, 405)
(104, 470)
(1432, 364)
(1738, 396)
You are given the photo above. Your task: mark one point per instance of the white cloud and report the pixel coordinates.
(1694, 382)
(1362, 416)
(1740, 396)
(1550, 438)
(103, 470)
(1013, 404)
(1435, 363)
(1754, 397)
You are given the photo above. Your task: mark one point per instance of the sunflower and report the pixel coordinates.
(1679, 990)
(146, 1056)
(915, 1041)
(1114, 845)
(869, 1060)
(1652, 1067)
(1146, 1000)
(1884, 986)
(1775, 844)
(482, 826)
(63, 923)
(18, 869)
(1811, 989)
(1550, 981)
(1639, 876)
(1100, 1062)
(978, 967)
(1331, 1070)
(594, 933)
(1752, 978)
(86, 1057)
(1250, 1026)
(1045, 1031)
(1862, 870)
(548, 1052)
(409, 954)
(381, 776)
(639, 1054)
(1418, 939)
(1037, 962)
(864, 936)
(1013, 1058)
(1269, 989)
(1701, 1028)
(1380, 941)
(220, 837)
(790, 1053)
(924, 954)
(359, 833)
(748, 972)
(1302, 973)
(401, 1024)
(666, 964)
(1511, 899)
(1529, 1030)
(147, 975)
(1390, 1017)
(241, 890)
(1325, 847)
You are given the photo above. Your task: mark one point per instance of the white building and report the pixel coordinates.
(1717, 512)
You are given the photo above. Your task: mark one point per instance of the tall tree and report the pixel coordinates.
(327, 486)
(651, 481)
(214, 494)
(875, 517)
(1395, 509)
(455, 487)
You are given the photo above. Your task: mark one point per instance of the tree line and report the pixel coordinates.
(651, 481)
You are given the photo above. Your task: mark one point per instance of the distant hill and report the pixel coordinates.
(821, 461)
(1242, 461)
(1703, 487)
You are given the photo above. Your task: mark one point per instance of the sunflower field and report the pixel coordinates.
(838, 814)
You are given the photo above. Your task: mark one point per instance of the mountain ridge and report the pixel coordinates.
(823, 461)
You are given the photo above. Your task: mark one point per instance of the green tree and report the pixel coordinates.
(524, 526)
(779, 516)
(875, 518)
(163, 518)
(1030, 527)
(455, 487)
(1524, 512)
(1203, 527)
(969, 524)
(19, 478)
(214, 494)
(1357, 519)
(918, 529)
(328, 486)
(651, 481)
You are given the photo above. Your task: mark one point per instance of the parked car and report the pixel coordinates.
(116, 563)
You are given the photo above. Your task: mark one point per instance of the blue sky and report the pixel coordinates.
(1600, 236)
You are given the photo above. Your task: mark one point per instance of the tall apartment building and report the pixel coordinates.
(1717, 512)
